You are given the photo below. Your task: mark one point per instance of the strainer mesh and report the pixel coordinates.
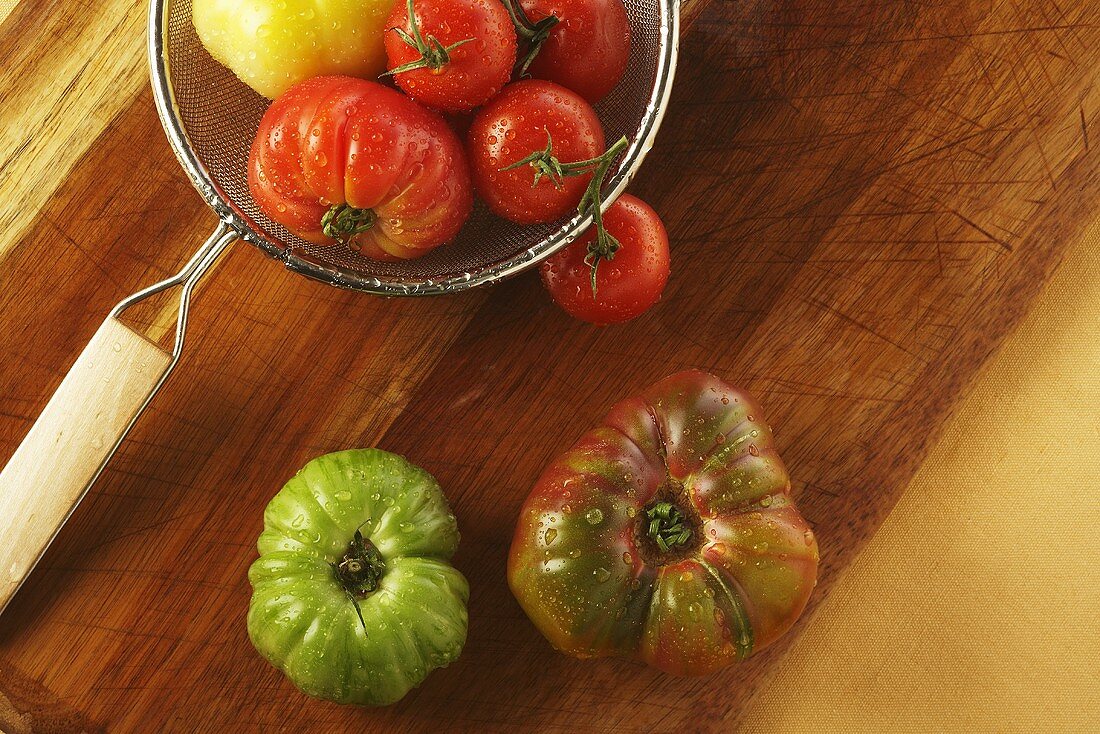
(220, 116)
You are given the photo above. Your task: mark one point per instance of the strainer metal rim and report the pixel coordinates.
(231, 215)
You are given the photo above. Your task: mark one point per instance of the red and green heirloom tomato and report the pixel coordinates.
(621, 283)
(452, 55)
(533, 150)
(580, 44)
(667, 534)
(352, 595)
(338, 159)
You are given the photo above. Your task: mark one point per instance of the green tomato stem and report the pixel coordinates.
(342, 222)
(605, 245)
(362, 567)
(546, 164)
(534, 33)
(667, 526)
(433, 54)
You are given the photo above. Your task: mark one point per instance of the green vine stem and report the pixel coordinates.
(534, 33)
(342, 222)
(433, 54)
(605, 245)
(360, 571)
(546, 164)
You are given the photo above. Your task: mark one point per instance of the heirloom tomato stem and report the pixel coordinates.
(667, 526)
(668, 529)
(342, 222)
(360, 571)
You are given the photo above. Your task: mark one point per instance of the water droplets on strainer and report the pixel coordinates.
(211, 118)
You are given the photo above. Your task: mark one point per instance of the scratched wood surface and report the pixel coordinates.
(863, 198)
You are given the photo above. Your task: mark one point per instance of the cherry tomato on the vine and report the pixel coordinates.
(453, 55)
(586, 50)
(338, 159)
(628, 282)
(524, 149)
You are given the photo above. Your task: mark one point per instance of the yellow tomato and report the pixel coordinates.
(273, 44)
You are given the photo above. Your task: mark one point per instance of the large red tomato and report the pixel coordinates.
(667, 534)
(338, 159)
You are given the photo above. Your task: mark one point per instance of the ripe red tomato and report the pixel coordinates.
(628, 282)
(587, 49)
(519, 122)
(349, 160)
(456, 56)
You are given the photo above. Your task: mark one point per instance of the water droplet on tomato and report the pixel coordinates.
(601, 574)
(550, 535)
(594, 516)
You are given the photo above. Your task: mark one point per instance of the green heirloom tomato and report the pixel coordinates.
(667, 534)
(273, 44)
(352, 595)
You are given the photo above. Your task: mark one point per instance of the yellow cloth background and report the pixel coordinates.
(976, 607)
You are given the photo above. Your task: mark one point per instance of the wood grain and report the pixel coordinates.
(863, 199)
(70, 442)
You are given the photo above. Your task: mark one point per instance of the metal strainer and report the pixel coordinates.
(210, 118)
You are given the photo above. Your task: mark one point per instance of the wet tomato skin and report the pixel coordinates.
(474, 72)
(515, 124)
(330, 141)
(587, 50)
(626, 285)
(583, 562)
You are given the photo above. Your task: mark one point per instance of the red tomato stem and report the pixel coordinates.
(433, 54)
(546, 164)
(342, 222)
(534, 33)
(605, 245)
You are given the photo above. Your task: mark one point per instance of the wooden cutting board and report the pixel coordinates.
(863, 199)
